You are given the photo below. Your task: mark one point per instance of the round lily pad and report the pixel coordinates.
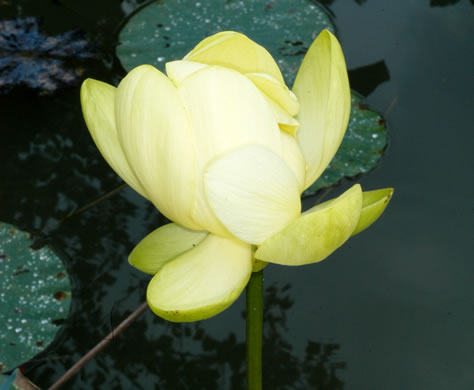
(35, 296)
(166, 30)
(361, 149)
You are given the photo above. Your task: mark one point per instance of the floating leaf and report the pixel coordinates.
(32, 59)
(35, 296)
(166, 30)
(361, 149)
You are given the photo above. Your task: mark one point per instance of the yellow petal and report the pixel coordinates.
(155, 135)
(177, 71)
(291, 154)
(202, 282)
(227, 112)
(286, 122)
(97, 101)
(316, 233)
(373, 205)
(322, 89)
(252, 192)
(236, 51)
(163, 245)
(277, 91)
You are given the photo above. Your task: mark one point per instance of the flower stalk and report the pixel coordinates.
(254, 298)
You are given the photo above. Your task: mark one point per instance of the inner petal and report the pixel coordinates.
(253, 192)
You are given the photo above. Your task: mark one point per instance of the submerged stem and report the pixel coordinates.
(99, 347)
(254, 330)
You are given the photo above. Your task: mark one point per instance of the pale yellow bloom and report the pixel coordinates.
(224, 149)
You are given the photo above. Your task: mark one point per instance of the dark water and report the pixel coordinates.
(390, 310)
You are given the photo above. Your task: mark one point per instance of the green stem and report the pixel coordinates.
(254, 330)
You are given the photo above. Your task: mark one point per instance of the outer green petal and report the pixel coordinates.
(236, 51)
(316, 233)
(155, 134)
(322, 88)
(163, 245)
(202, 282)
(227, 112)
(253, 193)
(373, 205)
(97, 101)
(258, 265)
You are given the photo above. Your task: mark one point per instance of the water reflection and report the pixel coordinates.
(366, 79)
(444, 3)
(282, 369)
(49, 163)
(158, 354)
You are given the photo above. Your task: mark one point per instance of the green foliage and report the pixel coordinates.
(166, 30)
(35, 296)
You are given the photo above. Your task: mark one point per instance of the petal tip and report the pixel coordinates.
(373, 206)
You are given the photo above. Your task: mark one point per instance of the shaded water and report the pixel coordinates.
(392, 309)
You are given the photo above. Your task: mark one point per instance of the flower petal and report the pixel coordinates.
(202, 282)
(227, 112)
(155, 134)
(236, 51)
(322, 88)
(316, 233)
(97, 101)
(163, 245)
(291, 154)
(286, 122)
(373, 205)
(177, 71)
(252, 192)
(277, 91)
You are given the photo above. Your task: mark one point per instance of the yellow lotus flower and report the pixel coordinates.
(224, 149)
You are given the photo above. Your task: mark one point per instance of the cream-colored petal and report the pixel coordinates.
(177, 71)
(162, 245)
(286, 122)
(155, 135)
(316, 233)
(252, 192)
(202, 282)
(293, 157)
(97, 101)
(322, 88)
(236, 51)
(227, 112)
(373, 205)
(277, 91)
